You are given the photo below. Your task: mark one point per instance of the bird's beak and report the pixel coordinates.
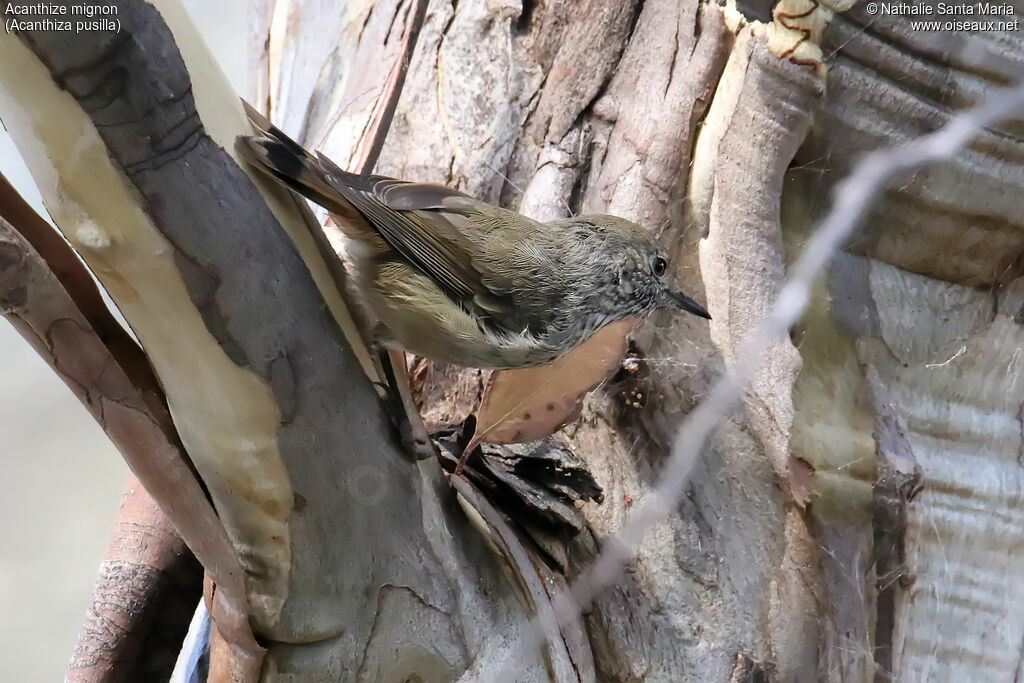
(687, 304)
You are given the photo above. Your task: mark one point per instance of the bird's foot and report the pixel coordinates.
(400, 405)
(461, 463)
(467, 451)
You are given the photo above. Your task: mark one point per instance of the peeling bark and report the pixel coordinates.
(925, 295)
(899, 483)
(269, 400)
(702, 124)
(34, 300)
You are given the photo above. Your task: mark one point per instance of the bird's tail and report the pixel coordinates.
(277, 155)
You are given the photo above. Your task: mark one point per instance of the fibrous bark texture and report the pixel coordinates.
(687, 117)
(52, 302)
(855, 518)
(917, 320)
(147, 589)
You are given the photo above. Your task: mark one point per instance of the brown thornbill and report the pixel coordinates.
(454, 279)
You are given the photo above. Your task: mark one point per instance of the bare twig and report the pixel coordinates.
(853, 196)
(373, 141)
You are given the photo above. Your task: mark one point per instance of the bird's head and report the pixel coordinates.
(639, 275)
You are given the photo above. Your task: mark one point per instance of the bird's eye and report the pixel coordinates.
(659, 266)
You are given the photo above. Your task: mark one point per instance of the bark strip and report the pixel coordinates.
(759, 117)
(899, 483)
(80, 286)
(354, 561)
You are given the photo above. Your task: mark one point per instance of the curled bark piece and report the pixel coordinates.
(562, 643)
(542, 481)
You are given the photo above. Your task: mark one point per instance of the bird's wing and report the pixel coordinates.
(420, 221)
(437, 229)
(500, 275)
(505, 276)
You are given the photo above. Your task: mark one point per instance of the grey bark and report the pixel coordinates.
(923, 302)
(686, 117)
(383, 579)
(503, 89)
(498, 101)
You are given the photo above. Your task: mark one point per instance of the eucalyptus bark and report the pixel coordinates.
(557, 108)
(723, 131)
(356, 558)
(805, 548)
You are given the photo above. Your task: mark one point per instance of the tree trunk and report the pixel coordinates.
(804, 548)
(560, 108)
(557, 108)
(356, 558)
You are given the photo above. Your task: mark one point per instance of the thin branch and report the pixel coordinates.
(388, 103)
(853, 196)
